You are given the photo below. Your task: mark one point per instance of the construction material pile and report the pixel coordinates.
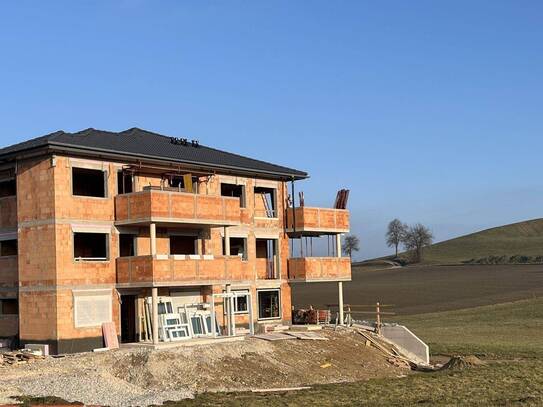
(390, 352)
(310, 316)
(19, 356)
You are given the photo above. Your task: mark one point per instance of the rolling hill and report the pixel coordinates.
(517, 239)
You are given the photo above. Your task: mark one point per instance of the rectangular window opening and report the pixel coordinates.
(127, 245)
(233, 190)
(183, 244)
(266, 251)
(269, 304)
(8, 247)
(88, 182)
(124, 182)
(238, 247)
(265, 202)
(184, 183)
(8, 188)
(9, 306)
(91, 246)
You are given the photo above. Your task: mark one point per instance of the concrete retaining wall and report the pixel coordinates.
(408, 341)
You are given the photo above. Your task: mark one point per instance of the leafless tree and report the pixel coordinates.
(395, 234)
(350, 245)
(416, 238)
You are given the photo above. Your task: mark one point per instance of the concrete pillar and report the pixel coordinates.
(152, 236)
(338, 245)
(226, 241)
(154, 310)
(340, 303)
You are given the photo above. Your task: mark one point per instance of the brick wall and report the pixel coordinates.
(47, 212)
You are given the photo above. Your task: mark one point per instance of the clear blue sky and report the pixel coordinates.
(428, 111)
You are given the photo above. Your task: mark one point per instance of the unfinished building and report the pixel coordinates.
(164, 237)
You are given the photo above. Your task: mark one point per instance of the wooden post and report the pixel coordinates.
(154, 292)
(378, 312)
(340, 292)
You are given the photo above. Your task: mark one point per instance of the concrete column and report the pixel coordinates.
(226, 241)
(340, 303)
(152, 236)
(338, 245)
(199, 244)
(154, 310)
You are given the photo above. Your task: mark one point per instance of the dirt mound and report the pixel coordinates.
(128, 377)
(463, 362)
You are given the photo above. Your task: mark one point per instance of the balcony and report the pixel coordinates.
(317, 220)
(319, 269)
(161, 206)
(8, 212)
(164, 270)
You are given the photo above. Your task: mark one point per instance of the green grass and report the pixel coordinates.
(511, 332)
(496, 384)
(503, 330)
(524, 238)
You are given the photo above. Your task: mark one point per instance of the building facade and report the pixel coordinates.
(137, 228)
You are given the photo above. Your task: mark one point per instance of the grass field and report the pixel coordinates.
(507, 330)
(523, 238)
(508, 335)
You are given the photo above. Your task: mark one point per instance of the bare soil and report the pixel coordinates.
(144, 377)
(422, 289)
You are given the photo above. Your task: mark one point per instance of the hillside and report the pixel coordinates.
(523, 238)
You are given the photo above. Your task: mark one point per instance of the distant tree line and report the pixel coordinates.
(413, 238)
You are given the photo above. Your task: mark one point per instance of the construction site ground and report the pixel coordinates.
(143, 377)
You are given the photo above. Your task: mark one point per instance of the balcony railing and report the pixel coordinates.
(8, 212)
(318, 220)
(315, 269)
(176, 207)
(181, 269)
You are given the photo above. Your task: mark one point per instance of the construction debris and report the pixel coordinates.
(307, 336)
(282, 389)
(110, 335)
(326, 365)
(19, 356)
(391, 354)
(274, 336)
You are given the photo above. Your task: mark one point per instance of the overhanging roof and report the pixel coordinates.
(142, 144)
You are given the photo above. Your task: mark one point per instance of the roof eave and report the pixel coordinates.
(116, 154)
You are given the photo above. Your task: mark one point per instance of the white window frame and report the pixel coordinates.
(258, 304)
(241, 293)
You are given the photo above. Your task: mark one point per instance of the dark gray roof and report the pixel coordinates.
(138, 143)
